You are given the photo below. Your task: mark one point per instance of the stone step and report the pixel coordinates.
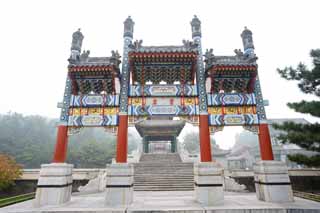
(163, 181)
(163, 172)
(165, 184)
(163, 189)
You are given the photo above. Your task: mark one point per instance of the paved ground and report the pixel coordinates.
(170, 201)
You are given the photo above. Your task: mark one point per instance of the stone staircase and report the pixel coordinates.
(163, 172)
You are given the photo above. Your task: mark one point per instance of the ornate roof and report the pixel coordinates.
(85, 61)
(188, 46)
(240, 59)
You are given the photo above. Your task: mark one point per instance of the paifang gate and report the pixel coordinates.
(208, 91)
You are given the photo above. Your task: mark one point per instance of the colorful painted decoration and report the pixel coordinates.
(231, 99)
(163, 110)
(163, 90)
(230, 120)
(94, 111)
(232, 110)
(94, 100)
(163, 101)
(93, 120)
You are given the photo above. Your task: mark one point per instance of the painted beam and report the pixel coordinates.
(163, 90)
(93, 120)
(94, 100)
(233, 120)
(231, 99)
(163, 110)
(223, 110)
(94, 111)
(163, 101)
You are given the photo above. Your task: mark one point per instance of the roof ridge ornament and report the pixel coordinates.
(115, 57)
(85, 55)
(189, 45)
(137, 44)
(209, 56)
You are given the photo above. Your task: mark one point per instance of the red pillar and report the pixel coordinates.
(60, 152)
(205, 147)
(122, 143)
(265, 142)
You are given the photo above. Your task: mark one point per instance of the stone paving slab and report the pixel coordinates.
(175, 202)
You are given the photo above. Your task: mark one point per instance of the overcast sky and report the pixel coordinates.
(36, 35)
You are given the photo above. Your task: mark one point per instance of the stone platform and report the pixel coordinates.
(180, 201)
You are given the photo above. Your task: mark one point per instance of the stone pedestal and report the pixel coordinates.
(54, 184)
(208, 178)
(272, 182)
(119, 186)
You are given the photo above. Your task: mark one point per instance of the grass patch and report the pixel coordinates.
(16, 199)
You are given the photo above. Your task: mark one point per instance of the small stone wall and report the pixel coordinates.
(299, 183)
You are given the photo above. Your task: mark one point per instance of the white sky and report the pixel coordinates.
(36, 35)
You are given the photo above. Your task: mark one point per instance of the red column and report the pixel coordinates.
(205, 147)
(60, 152)
(265, 142)
(122, 143)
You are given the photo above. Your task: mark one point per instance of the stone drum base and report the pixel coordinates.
(54, 184)
(119, 188)
(208, 183)
(272, 182)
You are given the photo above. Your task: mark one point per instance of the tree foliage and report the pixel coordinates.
(31, 140)
(305, 135)
(9, 171)
(191, 142)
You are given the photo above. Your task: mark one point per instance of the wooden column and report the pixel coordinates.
(265, 142)
(122, 142)
(205, 147)
(61, 148)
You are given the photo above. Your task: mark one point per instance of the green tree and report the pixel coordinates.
(9, 171)
(31, 139)
(304, 135)
(191, 142)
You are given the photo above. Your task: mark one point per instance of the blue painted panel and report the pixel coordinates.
(94, 100)
(233, 120)
(163, 90)
(93, 120)
(231, 99)
(163, 110)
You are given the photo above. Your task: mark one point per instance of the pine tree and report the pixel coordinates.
(306, 136)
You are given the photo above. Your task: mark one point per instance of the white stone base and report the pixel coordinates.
(119, 188)
(208, 178)
(54, 184)
(272, 182)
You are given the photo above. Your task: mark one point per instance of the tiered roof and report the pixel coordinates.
(94, 74)
(231, 73)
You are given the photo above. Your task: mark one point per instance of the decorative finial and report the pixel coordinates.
(128, 27)
(196, 27)
(247, 41)
(77, 38)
